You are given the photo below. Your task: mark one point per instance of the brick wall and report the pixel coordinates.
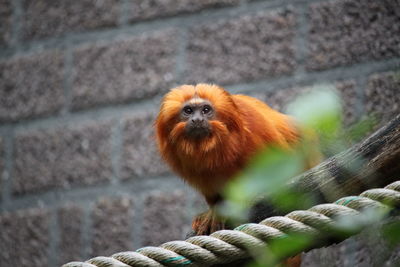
(80, 83)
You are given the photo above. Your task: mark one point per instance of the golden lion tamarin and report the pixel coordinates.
(207, 136)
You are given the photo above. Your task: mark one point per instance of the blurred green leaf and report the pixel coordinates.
(281, 248)
(288, 201)
(349, 225)
(391, 232)
(265, 175)
(320, 110)
(359, 129)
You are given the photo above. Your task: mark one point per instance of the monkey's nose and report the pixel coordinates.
(197, 120)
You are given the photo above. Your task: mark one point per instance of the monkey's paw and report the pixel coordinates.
(207, 223)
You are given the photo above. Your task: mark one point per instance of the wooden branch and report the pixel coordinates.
(375, 162)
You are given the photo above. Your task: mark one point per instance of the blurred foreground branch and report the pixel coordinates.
(375, 162)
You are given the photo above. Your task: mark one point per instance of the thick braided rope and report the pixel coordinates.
(230, 245)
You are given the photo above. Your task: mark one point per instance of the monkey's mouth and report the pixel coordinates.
(197, 131)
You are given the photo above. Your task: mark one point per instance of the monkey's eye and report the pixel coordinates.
(206, 109)
(188, 110)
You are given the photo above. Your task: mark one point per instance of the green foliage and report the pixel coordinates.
(282, 165)
(391, 232)
(358, 130)
(279, 248)
(272, 169)
(320, 110)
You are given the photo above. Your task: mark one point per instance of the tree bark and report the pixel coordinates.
(374, 162)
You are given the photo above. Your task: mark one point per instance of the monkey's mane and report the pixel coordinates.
(241, 126)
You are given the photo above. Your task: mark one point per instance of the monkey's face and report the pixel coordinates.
(194, 118)
(197, 113)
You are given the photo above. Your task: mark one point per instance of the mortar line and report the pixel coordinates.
(99, 113)
(125, 6)
(361, 84)
(54, 235)
(191, 198)
(67, 81)
(301, 38)
(309, 78)
(181, 54)
(3, 175)
(132, 221)
(57, 197)
(16, 21)
(86, 233)
(137, 226)
(116, 141)
(7, 175)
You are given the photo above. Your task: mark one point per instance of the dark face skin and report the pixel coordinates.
(196, 113)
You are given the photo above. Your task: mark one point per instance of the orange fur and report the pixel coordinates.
(242, 126)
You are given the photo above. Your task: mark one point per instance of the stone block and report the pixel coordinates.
(24, 238)
(112, 220)
(382, 96)
(163, 218)
(31, 86)
(48, 18)
(279, 99)
(140, 156)
(124, 70)
(62, 157)
(246, 48)
(344, 32)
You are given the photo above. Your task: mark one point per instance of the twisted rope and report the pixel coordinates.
(230, 245)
